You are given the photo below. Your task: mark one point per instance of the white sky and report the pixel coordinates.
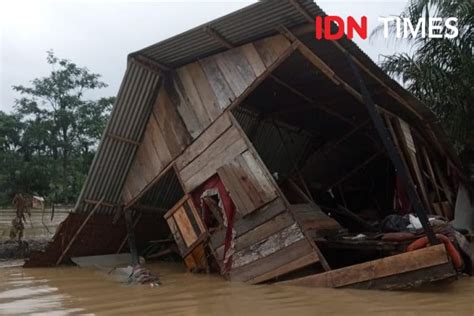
(99, 34)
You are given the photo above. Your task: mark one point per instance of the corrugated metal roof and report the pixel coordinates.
(114, 157)
(245, 25)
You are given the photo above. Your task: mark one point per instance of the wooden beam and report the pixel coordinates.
(356, 169)
(124, 240)
(149, 63)
(78, 231)
(219, 38)
(123, 139)
(325, 149)
(310, 28)
(376, 269)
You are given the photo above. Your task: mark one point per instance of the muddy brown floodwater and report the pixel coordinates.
(73, 290)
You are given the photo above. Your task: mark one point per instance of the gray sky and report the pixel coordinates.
(99, 34)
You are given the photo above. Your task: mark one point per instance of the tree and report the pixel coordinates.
(440, 71)
(55, 129)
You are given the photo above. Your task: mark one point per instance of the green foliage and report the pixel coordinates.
(48, 142)
(440, 71)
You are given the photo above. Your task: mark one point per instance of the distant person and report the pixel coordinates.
(21, 205)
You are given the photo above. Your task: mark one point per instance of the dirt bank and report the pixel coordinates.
(13, 250)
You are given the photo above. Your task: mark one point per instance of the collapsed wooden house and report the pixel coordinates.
(263, 152)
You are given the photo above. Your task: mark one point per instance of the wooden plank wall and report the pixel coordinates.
(164, 139)
(193, 97)
(246, 182)
(268, 243)
(218, 145)
(205, 88)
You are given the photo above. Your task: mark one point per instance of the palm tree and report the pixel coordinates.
(440, 71)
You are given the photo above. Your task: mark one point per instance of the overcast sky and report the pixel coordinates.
(99, 34)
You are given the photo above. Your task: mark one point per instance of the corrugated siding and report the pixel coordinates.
(128, 119)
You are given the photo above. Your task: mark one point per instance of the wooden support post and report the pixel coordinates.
(398, 164)
(96, 207)
(131, 237)
(126, 236)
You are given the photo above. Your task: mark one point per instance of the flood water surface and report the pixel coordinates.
(73, 290)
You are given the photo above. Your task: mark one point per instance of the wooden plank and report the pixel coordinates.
(192, 219)
(275, 242)
(257, 171)
(236, 69)
(196, 215)
(218, 83)
(250, 184)
(184, 226)
(444, 182)
(312, 218)
(191, 96)
(409, 148)
(410, 279)
(224, 149)
(259, 233)
(135, 180)
(151, 158)
(149, 162)
(408, 261)
(230, 179)
(254, 59)
(154, 151)
(429, 166)
(171, 124)
(271, 48)
(204, 140)
(194, 123)
(257, 268)
(204, 89)
(298, 263)
(246, 182)
(251, 221)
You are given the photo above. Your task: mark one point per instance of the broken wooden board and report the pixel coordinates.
(376, 269)
(188, 231)
(411, 279)
(220, 152)
(314, 221)
(246, 183)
